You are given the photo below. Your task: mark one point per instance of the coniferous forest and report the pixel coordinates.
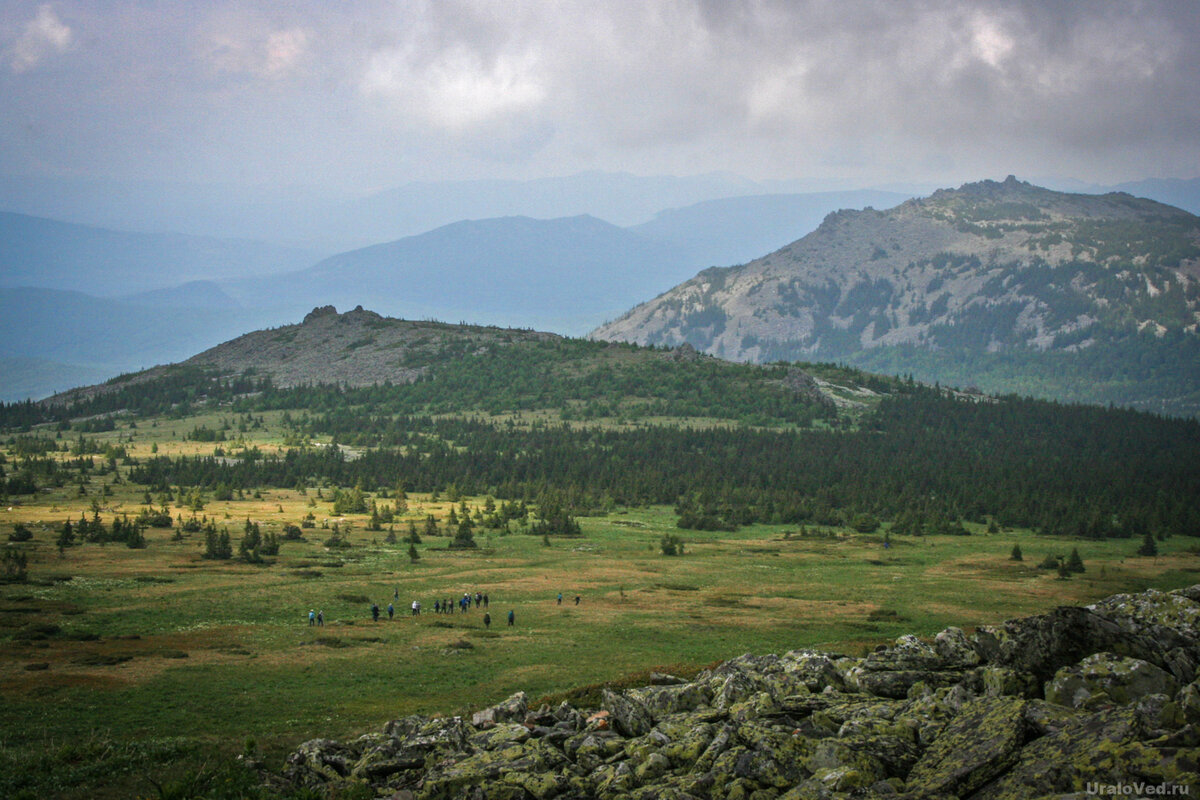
(725, 444)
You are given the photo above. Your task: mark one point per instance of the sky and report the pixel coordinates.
(360, 96)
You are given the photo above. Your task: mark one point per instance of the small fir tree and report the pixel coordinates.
(1074, 562)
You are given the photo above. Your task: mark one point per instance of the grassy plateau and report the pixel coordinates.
(124, 669)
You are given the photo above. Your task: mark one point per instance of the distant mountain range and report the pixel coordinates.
(1005, 285)
(312, 218)
(563, 274)
(55, 339)
(173, 294)
(48, 254)
(567, 275)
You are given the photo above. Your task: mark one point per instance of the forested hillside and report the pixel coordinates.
(584, 425)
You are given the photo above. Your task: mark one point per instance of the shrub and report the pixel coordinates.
(1049, 562)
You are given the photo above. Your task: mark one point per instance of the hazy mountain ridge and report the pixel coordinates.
(989, 267)
(567, 273)
(81, 337)
(50, 254)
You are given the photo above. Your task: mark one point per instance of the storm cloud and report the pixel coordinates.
(363, 95)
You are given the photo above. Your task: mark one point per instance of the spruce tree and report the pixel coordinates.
(1074, 562)
(1148, 548)
(1016, 554)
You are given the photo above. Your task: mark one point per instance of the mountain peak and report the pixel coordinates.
(989, 268)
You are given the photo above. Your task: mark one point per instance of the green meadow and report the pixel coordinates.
(122, 668)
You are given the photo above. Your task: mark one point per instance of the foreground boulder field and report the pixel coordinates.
(1078, 702)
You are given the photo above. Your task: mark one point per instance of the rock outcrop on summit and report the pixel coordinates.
(1046, 706)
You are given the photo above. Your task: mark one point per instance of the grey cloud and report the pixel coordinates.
(873, 90)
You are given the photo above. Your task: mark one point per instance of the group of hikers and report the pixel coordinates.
(480, 600)
(440, 606)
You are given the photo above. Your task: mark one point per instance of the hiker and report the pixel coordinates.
(485, 600)
(391, 610)
(487, 620)
(512, 618)
(312, 617)
(375, 611)
(321, 618)
(415, 608)
(437, 607)
(576, 599)
(396, 593)
(560, 598)
(478, 599)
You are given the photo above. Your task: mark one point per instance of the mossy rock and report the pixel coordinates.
(629, 715)
(499, 736)
(1108, 678)
(980, 743)
(1101, 747)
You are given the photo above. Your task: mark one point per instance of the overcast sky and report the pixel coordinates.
(369, 94)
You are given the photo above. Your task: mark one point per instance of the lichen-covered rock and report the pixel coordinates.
(629, 715)
(981, 742)
(1004, 681)
(1044, 717)
(1189, 701)
(839, 766)
(497, 737)
(661, 701)
(733, 688)
(687, 742)
(1103, 747)
(1108, 678)
(955, 717)
(815, 671)
(893, 743)
(320, 760)
(955, 648)
(892, 671)
(1172, 618)
(493, 767)
(513, 709)
(1044, 644)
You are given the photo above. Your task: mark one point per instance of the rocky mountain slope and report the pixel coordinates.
(988, 268)
(1044, 706)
